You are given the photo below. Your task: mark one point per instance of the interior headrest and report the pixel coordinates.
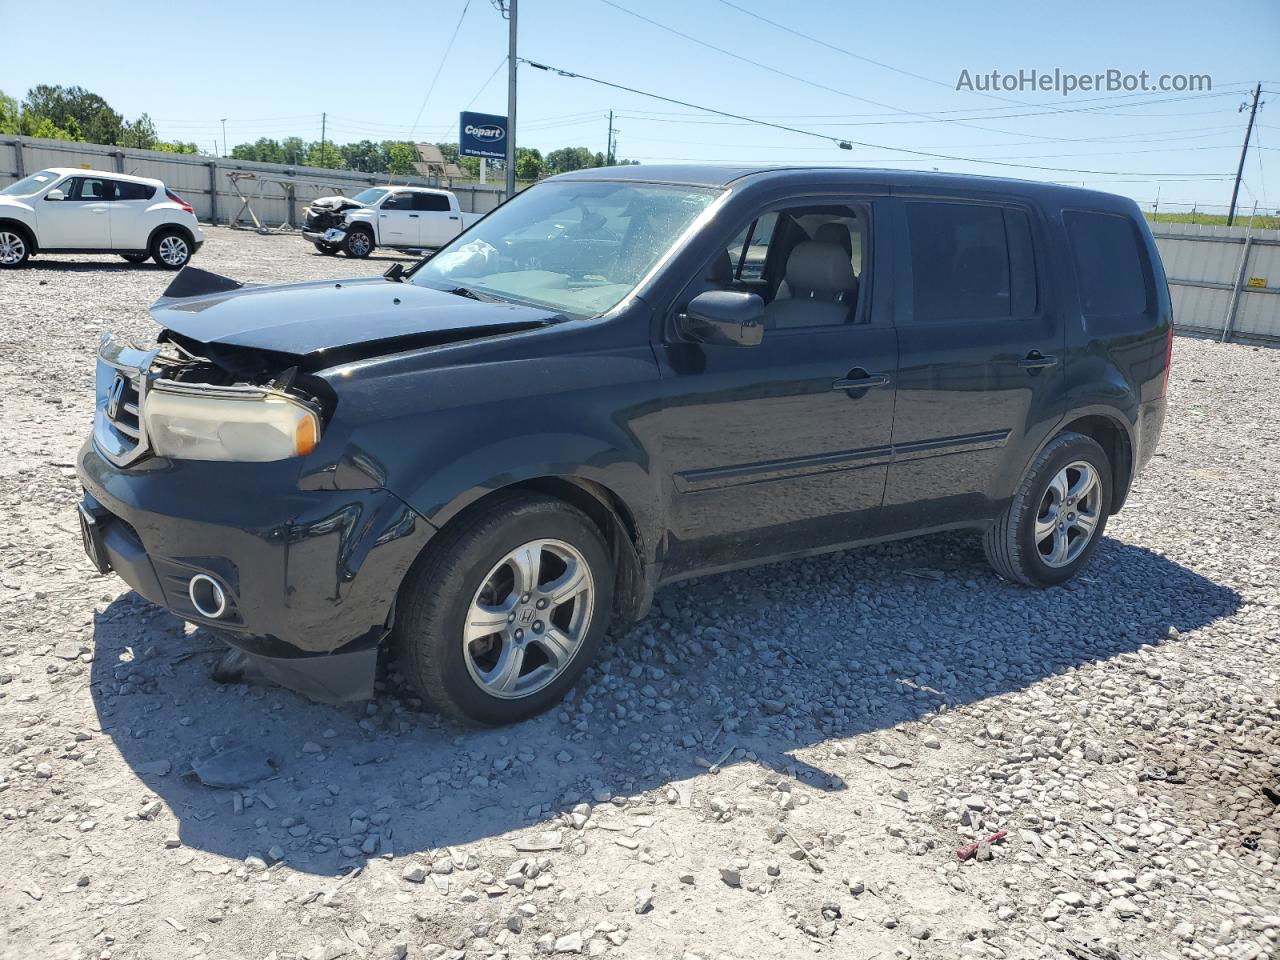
(834, 232)
(820, 267)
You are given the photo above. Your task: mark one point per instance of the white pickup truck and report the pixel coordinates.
(405, 218)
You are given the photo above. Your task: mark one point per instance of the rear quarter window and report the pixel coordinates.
(1113, 275)
(133, 191)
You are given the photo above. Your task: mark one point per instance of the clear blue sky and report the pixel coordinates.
(272, 69)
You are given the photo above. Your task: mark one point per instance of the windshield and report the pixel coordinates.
(578, 248)
(367, 198)
(29, 185)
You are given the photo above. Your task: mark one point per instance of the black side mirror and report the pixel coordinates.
(726, 317)
(394, 272)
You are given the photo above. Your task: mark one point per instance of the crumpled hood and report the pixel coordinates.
(324, 315)
(334, 203)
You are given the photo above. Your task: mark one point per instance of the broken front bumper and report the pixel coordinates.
(333, 236)
(309, 576)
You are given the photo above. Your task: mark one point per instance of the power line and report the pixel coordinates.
(927, 116)
(790, 76)
(844, 144)
(855, 56)
(440, 66)
(485, 86)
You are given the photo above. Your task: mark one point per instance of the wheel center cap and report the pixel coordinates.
(525, 615)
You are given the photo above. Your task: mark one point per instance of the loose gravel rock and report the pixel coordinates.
(776, 762)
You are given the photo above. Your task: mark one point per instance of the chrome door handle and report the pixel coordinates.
(1035, 360)
(861, 383)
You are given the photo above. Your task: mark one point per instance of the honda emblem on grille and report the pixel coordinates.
(114, 396)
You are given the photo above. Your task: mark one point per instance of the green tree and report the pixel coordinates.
(324, 155)
(365, 156)
(294, 150)
(175, 146)
(10, 114)
(264, 149)
(529, 164)
(91, 115)
(572, 158)
(401, 157)
(141, 134)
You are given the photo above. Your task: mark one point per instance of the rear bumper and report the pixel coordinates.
(310, 577)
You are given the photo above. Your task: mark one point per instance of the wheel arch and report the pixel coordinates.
(608, 511)
(25, 229)
(1115, 436)
(171, 227)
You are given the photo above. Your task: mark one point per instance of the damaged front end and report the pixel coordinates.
(228, 480)
(192, 401)
(324, 221)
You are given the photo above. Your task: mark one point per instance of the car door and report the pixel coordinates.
(130, 214)
(81, 220)
(438, 223)
(980, 350)
(397, 221)
(782, 447)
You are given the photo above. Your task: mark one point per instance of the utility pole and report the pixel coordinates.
(608, 150)
(1244, 151)
(324, 123)
(224, 136)
(511, 97)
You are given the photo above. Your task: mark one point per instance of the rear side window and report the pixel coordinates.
(431, 202)
(1111, 265)
(970, 261)
(133, 191)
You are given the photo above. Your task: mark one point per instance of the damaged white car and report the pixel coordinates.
(403, 218)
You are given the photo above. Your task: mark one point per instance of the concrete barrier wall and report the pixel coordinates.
(1223, 280)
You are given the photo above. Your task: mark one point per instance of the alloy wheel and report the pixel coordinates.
(1069, 513)
(12, 248)
(173, 251)
(360, 244)
(528, 619)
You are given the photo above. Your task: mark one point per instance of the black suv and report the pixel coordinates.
(620, 378)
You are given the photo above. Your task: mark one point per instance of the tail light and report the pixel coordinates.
(174, 198)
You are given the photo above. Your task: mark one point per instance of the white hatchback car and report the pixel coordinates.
(64, 210)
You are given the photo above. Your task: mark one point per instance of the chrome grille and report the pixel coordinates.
(118, 428)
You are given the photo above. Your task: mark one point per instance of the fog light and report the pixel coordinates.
(207, 596)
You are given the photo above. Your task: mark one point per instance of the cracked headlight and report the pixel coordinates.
(228, 423)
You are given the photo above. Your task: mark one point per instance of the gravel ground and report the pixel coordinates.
(776, 763)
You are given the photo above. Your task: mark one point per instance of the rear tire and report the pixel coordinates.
(136, 257)
(535, 570)
(171, 250)
(358, 243)
(15, 248)
(1057, 515)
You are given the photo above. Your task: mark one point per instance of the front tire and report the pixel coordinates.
(1057, 515)
(15, 248)
(500, 618)
(358, 243)
(171, 250)
(327, 249)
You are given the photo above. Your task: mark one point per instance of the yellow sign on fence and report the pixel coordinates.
(1257, 281)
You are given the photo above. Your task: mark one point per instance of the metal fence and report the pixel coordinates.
(280, 192)
(1224, 280)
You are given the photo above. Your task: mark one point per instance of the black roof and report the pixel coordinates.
(725, 175)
